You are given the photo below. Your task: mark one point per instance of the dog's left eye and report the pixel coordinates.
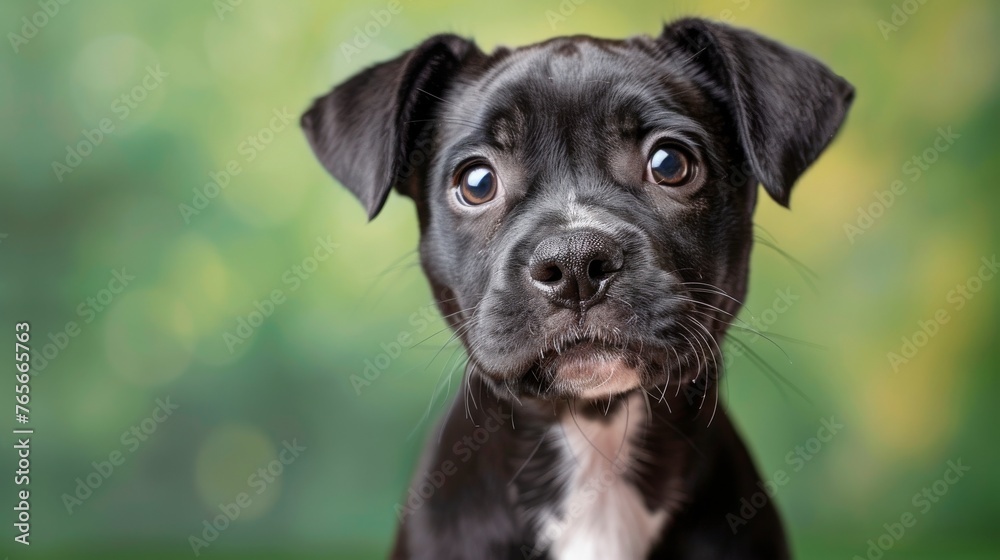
(669, 166)
(477, 184)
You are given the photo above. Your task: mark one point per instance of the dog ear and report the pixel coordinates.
(364, 130)
(786, 106)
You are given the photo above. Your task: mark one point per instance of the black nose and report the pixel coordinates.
(574, 269)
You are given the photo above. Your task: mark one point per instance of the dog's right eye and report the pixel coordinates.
(669, 165)
(477, 184)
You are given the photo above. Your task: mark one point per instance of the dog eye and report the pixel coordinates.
(477, 185)
(668, 166)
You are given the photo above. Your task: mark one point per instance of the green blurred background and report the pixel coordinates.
(226, 70)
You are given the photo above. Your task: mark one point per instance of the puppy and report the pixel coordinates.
(585, 210)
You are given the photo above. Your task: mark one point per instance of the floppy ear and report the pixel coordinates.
(786, 105)
(364, 130)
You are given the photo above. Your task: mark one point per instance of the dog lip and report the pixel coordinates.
(592, 370)
(576, 349)
(577, 344)
(586, 349)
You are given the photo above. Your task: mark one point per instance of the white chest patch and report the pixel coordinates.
(601, 516)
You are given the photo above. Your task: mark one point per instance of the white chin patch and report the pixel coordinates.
(595, 377)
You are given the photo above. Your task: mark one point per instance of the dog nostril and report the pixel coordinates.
(574, 269)
(599, 269)
(552, 274)
(547, 274)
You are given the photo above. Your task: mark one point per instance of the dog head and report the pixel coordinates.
(585, 205)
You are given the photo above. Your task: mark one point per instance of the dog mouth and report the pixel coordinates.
(607, 352)
(588, 367)
(580, 347)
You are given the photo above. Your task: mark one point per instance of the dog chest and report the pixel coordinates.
(600, 513)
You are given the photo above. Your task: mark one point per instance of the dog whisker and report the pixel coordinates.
(530, 457)
(437, 391)
(744, 326)
(808, 275)
(769, 369)
(697, 351)
(720, 374)
(794, 340)
(707, 352)
(765, 337)
(506, 385)
(706, 287)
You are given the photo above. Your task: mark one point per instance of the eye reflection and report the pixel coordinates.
(668, 166)
(477, 185)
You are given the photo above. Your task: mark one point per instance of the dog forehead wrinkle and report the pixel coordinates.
(508, 124)
(578, 58)
(546, 69)
(521, 104)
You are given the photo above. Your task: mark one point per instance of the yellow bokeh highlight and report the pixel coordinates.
(228, 464)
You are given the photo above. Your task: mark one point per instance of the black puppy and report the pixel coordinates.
(585, 210)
